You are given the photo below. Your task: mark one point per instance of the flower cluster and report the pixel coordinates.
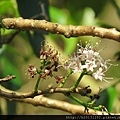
(49, 59)
(89, 60)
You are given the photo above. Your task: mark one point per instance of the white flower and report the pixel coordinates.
(90, 65)
(74, 64)
(99, 74)
(89, 60)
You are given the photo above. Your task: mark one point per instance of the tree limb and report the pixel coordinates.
(13, 94)
(40, 100)
(47, 102)
(55, 28)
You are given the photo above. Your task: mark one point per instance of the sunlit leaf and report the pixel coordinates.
(88, 17)
(112, 94)
(4, 6)
(58, 15)
(8, 8)
(70, 44)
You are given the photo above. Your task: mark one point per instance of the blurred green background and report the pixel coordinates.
(23, 49)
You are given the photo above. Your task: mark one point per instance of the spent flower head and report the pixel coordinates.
(89, 60)
(32, 71)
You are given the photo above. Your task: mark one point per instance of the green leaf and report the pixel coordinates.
(115, 70)
(107, 98)
(5, 5)
(96, 5)
(8, 8)
(112, 94)
(9, 68)
(88, 13)
(3, 27)
(58, 15)
(70, 44)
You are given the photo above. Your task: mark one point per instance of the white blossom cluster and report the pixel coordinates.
(89, 60)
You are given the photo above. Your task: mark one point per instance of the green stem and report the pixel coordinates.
(66, 77)
(43, 63)
(86, 105)
(77, 100)
(36, 86)
(78, 81)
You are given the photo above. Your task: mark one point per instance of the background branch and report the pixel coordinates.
(40, 100)
(66, 30)
(50, 103)
(9, 77)
(9, 95)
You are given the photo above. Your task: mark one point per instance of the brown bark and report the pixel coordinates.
(66, 30)
(40, 100)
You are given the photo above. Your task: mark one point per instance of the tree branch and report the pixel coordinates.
(46, 102)
(9, 77)
(40, 100)
(66, 30)
(13, 94)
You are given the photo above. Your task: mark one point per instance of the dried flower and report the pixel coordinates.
(32, 71)
(49, 58)
(89, 60)
(59, 79)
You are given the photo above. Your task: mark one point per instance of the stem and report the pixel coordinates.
(66, 77)
(77, 100)
(36, 86)
(43, 63)
(86, 105)
(77, 82)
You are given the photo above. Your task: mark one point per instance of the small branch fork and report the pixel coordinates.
(13, 94)
(40, 100)
(51, 90)
(55, 28)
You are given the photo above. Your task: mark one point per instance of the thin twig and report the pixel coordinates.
(66, 30)
(9, 77)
